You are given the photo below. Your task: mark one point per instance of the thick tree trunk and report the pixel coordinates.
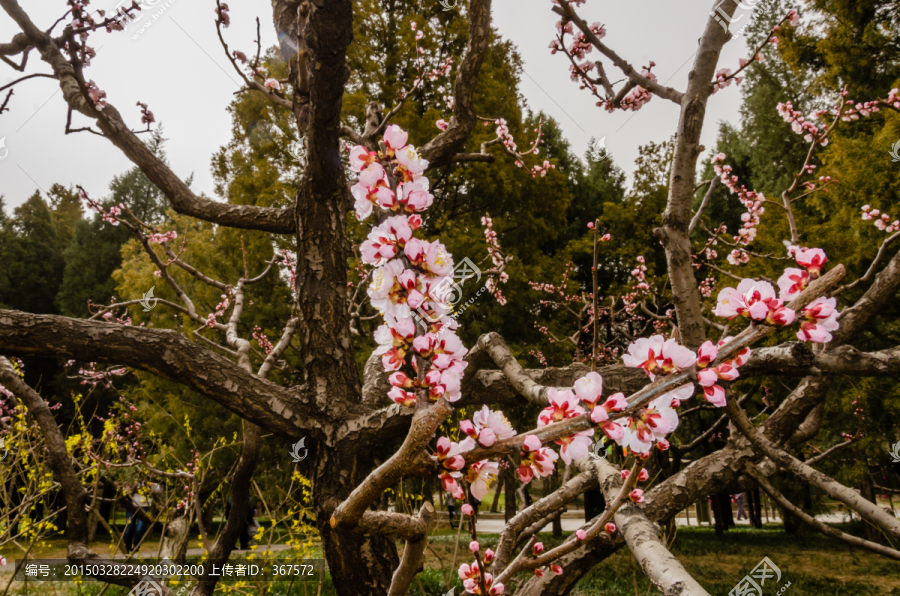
(359, 565)
(175, 539)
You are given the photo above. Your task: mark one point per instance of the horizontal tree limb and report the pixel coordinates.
(796, 358)
(166, 354)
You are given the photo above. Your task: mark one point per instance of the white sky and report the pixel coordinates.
(177, 66)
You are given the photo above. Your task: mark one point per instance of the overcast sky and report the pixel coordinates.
(176, 65)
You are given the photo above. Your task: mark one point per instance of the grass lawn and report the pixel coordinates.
(815, 565)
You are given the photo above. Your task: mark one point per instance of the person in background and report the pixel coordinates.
(244, 534)
(475, 503)
(451, 507)
(741, 514)
(135, 526)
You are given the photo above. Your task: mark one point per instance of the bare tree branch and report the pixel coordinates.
(183, 200)
(809, 520)
(413, 555)
(868, 510)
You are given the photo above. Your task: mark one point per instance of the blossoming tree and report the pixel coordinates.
(421, 370)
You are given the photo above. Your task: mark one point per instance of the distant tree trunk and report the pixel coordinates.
(594, 503)
(791, 525)
(703, 511)
(509, 484)
(754, 507)
(500, 484)
(209, 513)
(729, 512)
(92, 519)
(867, 491)
(722, 511)
(557, 525)
(106, 507)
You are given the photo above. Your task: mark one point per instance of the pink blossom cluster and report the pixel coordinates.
(799, 124)
(503, 133)
(818, 320)
(639, 272)
(471, 575)
(738, 257)
(409, 276)
(824, 181)
(222, 14)
(146, 115)
(863, 109)
(881, 220)
(537, 550)
(288, 262)
(442, 70)
(486, 427)
(750, 199)
(108, 315)
(657, 356)
(158, 238)
(536, 460)
(111, 216)
(409, 195)
(539, 356)
(97, 95)
(708, 376)
(637, 97)
(479, 475)
(724, 79)
(93, 377)
(496, 256)
(893, 98)
(793, 280)
(756, 299)
(220, 312)
(542, 169)
(262, 339)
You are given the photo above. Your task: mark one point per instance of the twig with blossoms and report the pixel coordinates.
(409, 275)
(497, 258)
(725, 76)
(376, 122)
(509, 145)
(269, 87)
(668, 387)
(815, 138)
(538, 558)
(640, 85)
